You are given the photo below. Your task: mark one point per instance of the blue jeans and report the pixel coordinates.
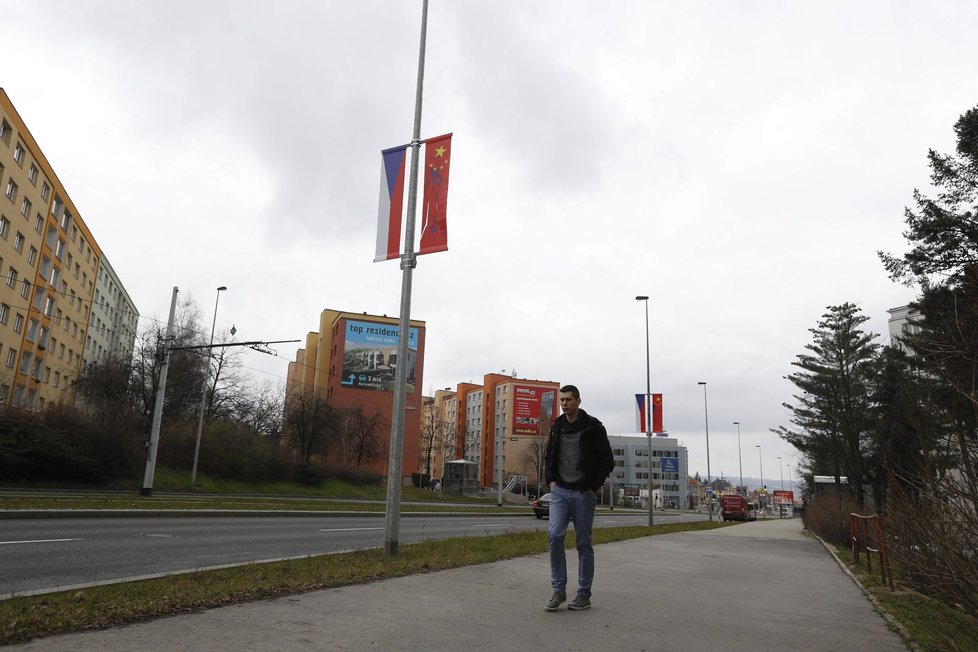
(567, 505)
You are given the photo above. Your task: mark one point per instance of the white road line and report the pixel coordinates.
(493, 525)
(351, 529)
(9, 543)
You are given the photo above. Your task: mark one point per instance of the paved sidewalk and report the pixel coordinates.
(755, 586)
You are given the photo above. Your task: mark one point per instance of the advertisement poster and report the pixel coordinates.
(670, 464)
(370, 356)
(783, 497)
(533, 410)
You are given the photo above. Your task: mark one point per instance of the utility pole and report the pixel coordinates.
(154, 434)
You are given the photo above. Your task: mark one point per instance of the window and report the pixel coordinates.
(38, 222)
(19, 154)
(18, 323)
(11, 191)
(31, 255)
(11, 277)
(5, 132)
(25, 361)
(66, 220)
(11, 358)
(4, 313)
(25, 207)
(45, 191)
(32, 330)
(25, 290)
(19, 242)
(4, 227)
(60, 249)
(32, 174)
(4, 392)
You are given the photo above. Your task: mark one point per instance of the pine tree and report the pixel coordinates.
(832, 418)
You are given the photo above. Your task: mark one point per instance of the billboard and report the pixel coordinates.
(533, 409)
(783, 497)
(370, 356)
(669, 464)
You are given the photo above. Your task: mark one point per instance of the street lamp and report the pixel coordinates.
(648, 403)
(740, 459)
(781, 468)
(709, 477)
(790, 484)
(203, 392)
(761, 464)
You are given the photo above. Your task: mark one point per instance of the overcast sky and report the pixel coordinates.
(739, 162)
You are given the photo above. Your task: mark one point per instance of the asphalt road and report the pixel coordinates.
(41, 555)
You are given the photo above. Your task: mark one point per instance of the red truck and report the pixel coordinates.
(736, 508)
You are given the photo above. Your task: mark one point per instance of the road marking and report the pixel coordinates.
(8, 543)
(493, 525)
(351, 529)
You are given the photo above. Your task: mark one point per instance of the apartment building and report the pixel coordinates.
(351, 361)
(668, 464)
(49, 264)
(114, 319)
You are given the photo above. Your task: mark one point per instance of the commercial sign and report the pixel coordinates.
(370, 356)
(669, 464)
(783, 497)
(533, 409)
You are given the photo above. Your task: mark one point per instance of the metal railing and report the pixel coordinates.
(859, 531)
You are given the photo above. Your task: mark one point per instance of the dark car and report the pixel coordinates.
(541, 506)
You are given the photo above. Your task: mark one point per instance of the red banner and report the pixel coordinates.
(657, 413)
(533, 410)
(434, 206)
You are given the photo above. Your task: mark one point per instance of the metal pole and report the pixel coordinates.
(709, 477)
(740, 459)
(154, 433)
(760, 463)
(781, 468)
(648, 404)
(408, 261)
(203, 392)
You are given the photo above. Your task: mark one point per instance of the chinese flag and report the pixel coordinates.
(657, 413)
(434, 216)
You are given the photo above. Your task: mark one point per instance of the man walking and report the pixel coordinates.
(577, 461)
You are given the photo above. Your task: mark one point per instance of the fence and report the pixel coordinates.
(860, 534)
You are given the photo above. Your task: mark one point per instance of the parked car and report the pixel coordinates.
(541, 506)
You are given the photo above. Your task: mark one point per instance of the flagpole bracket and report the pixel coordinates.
(409, 260)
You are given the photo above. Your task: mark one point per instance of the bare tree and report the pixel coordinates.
(308, 422)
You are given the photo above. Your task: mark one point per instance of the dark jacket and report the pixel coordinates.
(597, 460)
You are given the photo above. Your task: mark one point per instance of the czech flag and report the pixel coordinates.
(640, 417)
(391, 203)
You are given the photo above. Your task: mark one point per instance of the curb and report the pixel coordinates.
(891, 621)
(160, 513)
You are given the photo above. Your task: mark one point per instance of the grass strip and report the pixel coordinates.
(24, 618)
(109, 502)
(929, 624)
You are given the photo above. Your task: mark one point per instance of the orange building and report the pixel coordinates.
(351, 362)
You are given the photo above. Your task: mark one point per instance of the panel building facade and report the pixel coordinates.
(350, 362)
(49, 264)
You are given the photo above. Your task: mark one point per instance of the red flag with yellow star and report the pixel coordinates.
(434, 216)
(657, 413)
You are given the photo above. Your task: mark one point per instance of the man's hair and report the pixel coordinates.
(572, 390)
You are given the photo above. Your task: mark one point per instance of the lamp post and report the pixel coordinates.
(740, 459)
(648, 403)
(790, 484)
(781, 468)
(761, 464)
(709, 477)
(203, 393)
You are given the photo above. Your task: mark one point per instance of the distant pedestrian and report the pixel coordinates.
(578, 460)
